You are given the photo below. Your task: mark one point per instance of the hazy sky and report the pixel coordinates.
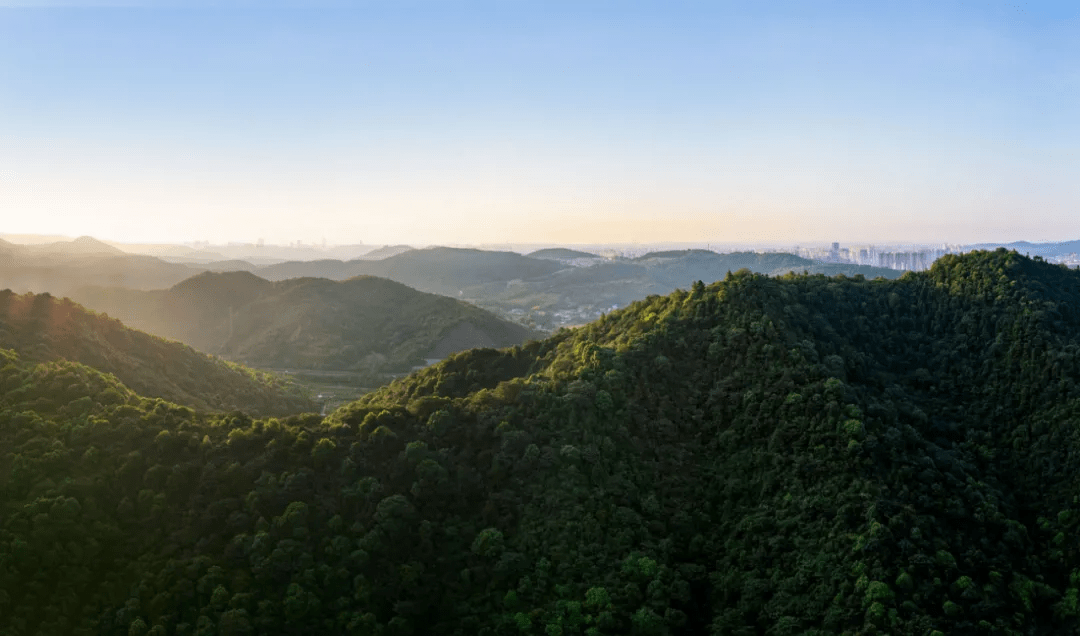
(467, 122)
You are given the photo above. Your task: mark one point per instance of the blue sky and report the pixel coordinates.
(514, 121)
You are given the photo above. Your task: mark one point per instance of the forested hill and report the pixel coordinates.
(802, 455)
(360, 324)
(42, 327)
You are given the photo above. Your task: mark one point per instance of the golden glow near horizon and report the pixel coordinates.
(732, 125)
(742, 198)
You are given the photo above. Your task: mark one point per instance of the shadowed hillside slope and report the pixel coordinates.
(41, 327)
(805, 455)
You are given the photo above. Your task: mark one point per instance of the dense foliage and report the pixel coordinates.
(40, 327)
(756, 456)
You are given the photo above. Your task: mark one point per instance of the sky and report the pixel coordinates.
(445, 122)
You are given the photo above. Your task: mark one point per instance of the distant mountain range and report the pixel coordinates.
(59, 268)
(360, 324)
(439, 270)
(82, 245)
(575, 295)
(546, 289)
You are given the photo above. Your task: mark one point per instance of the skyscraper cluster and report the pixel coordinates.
(911, 259)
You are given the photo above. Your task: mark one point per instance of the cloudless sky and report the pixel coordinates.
(511, 121)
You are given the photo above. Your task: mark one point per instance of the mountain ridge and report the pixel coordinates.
(777, 455)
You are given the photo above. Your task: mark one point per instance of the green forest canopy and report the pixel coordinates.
(796, 455)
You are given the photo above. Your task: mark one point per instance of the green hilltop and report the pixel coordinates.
(792, 455)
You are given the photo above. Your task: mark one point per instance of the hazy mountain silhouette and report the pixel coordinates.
(385, 252)
(60, 267)
(560, 253)
(1046, 250)
(363, 323)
